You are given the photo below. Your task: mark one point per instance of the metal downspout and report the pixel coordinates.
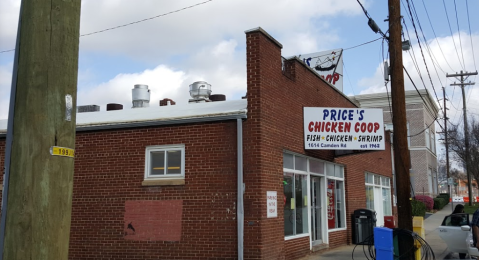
(240, 192)
(9, 140)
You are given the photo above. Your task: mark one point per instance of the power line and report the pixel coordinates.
(470, 35)
(435, 116)
(435, 36)
(454, 42)
(151, 18)
(139, 21)
(425, 63)
(459, 32)
(362, 44)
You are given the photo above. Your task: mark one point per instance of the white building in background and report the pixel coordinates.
(421, 112)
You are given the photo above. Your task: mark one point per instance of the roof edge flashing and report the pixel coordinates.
(261, 30)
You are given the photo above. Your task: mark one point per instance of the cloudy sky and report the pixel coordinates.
(207, 42)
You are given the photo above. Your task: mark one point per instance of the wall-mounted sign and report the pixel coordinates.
(328, 128)
(328, 64)
(272, 205)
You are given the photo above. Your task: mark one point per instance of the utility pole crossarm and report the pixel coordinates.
(462, 74)
(463, 84)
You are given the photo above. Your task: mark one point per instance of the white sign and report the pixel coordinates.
(272, 204)
(450, 181)
(332, 128)
(328, 64)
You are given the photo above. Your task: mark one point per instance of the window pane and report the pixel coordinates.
(385, 181)
(370, 178)
(300, 163)
(377, 180)
(301, 199)
(289, 204)
(339, 205)
(387, 202)
(288, 161)
(338, 171)
(370, 197)
(329, 169)
(157, 163)
(316, 166)
(331, 205)
(174, 162)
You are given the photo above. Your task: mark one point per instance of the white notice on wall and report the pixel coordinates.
(272, 206)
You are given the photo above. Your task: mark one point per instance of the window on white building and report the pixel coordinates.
(378, 196)
(165, 162)
(427, 138)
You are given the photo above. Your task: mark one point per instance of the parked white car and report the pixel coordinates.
(456, 232)
(457, 199)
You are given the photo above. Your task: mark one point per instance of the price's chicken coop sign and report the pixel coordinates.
(327, 128)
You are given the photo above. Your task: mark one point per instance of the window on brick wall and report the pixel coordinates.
(428, 141)
(163, 162)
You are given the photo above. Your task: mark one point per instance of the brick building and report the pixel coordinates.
(192, 181)
(421, 112)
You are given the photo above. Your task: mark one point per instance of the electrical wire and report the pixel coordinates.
(420, 47)
(470, 35)
(452, 35)
(146, 19)
(418, 243)
(459, 32)
(363, 44)
(435, 116)
(135, 22)
(435, 36)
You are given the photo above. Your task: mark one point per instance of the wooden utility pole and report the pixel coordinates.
(447, 144)
(466, 133)
(401, 149)
(36, 211)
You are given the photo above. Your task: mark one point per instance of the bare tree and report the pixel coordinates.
(456, 146)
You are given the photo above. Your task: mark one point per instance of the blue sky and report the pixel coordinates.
(207, 42)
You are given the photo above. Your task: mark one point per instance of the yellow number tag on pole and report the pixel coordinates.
(62, 151)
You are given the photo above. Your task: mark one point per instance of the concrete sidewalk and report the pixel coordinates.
(438, 246)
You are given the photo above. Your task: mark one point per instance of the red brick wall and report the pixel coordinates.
(378, 162)
(107, 193)
(275, 124)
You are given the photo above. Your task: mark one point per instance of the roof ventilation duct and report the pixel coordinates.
(141, 96)
(200, 92)
(88, 108)
(217, 97)
(113, 106)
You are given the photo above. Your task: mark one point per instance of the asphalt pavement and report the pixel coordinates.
(360, 252)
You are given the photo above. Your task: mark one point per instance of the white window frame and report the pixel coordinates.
(165, 148)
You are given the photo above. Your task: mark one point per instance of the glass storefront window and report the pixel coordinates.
(288, 161)
(370, 197)
(296, 205)
(300, 163)
(316, 166)
(387, 202)
(335, 204)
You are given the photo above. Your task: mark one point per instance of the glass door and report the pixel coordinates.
(316, 231)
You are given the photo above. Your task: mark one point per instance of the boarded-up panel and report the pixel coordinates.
(153, 220)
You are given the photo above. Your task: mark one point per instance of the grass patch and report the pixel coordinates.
(470, 209)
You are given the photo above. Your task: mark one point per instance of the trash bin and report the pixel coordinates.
(364, 222)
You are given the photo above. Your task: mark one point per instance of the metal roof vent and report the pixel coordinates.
(113, 106)
(88, 108)
(141, 96)
(200, 91)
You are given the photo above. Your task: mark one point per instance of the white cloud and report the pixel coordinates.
(446, 60)
(5, 86)
(215, 64)
(162, 81)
